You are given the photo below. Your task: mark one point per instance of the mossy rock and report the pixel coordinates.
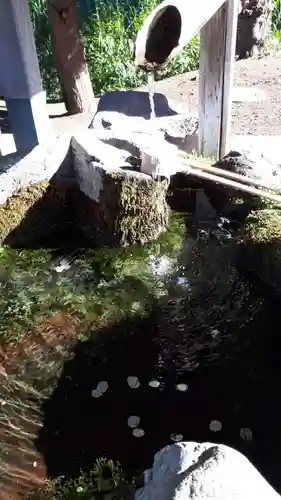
(260, 247)
(34, 213)
(131, 209)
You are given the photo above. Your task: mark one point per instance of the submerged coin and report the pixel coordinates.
(246, 434)
(176, 437)
(215, 426)
(102, 386)
(154, 383)
(133, 382)
(96, 394)
(138, 433)
(133, 421)
(181, 387)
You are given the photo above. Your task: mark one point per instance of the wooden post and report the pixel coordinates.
(217, 53)
(228, 74)
(20, 76)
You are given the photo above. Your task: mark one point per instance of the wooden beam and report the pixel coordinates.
(217, 51)
(20, 76)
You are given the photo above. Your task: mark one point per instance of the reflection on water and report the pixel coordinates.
(197, 340)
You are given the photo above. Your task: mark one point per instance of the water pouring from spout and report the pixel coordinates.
(168, 29)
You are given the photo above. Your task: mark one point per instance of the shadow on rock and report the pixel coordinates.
(240, 389)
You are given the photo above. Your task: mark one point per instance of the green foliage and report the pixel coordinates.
(109, 28)
(276, 20)
(105, 481)
(108, 31)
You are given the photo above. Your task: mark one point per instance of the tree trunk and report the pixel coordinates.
(254, 23)
(69, 58)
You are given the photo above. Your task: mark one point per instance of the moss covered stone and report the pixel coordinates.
(33, 213)
(131, 209)
(260, 246)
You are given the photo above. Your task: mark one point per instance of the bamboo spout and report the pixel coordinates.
(168, 28)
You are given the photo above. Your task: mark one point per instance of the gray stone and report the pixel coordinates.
(129, 112)
(251, 165)
(116, 204)
(206, 471)
(41, 164)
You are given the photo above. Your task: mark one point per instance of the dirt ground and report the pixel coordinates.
(257, 117)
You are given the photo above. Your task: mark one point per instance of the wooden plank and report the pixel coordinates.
(212, 42)
(228, 74)
(217, 52)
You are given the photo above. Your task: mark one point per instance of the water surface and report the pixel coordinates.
(175, 311)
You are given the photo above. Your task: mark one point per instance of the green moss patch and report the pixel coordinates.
(33, 213)
(260, 246)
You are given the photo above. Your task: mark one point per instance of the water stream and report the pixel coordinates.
(198, 340)
(151, 91)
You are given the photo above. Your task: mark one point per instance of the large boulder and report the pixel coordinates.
(254, 24)
(204, 471)
(251, 165)
(117, 203)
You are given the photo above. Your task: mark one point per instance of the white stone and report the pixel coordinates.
(204, 471)
(133, 421)
(215, 426)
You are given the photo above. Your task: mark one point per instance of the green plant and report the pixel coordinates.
(276, 20)
(105, 481)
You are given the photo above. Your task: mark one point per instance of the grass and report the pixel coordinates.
(276, 20)
(105, 481)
